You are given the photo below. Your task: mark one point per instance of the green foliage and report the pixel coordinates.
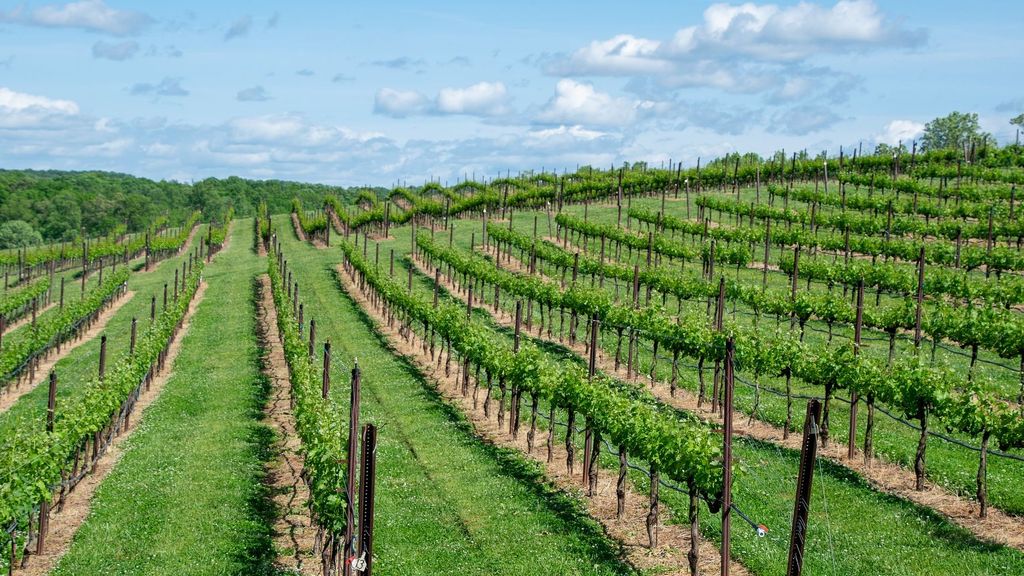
(49, 330)
(32, 459)
(18, 234)
(953, 131)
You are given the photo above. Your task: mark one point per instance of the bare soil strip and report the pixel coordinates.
(11, 393)
(668, 558)
(64, 524)
(27, 318)
(883, 475)
(294, 535)
(299, 232)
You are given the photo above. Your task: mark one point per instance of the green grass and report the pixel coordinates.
(447, 502)
(187, 497)
(853, 529)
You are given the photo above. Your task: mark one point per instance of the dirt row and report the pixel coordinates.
(883, 475)
(294, 535)
(669, 557)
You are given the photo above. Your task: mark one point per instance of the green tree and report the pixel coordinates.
(953, 131)
(18, 234)
(1018, 120)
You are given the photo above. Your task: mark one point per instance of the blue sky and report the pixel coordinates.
(380, 92)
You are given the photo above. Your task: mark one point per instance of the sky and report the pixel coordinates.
(378, 93)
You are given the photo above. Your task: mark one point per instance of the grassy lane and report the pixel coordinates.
(82, 364)
(446, 502)
(854, 529)
(187, 496)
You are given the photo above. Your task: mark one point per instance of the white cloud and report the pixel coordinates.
(900, 130)
(580, 103)
(574, 132)
(773, 33)
(484, 98)
(254, 94)
(481, 99)
(20, 110)
(745, 48)
(399, 103)
(115, 51)
(91, 15)
(623, 54)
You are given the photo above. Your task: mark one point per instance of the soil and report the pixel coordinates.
(294, 534)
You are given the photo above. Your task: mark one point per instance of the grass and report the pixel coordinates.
(187, 496)
(447, 502)
(854, 529)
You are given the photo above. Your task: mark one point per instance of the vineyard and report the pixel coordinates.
(753, 366)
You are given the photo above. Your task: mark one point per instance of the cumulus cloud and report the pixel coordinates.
(239, 28)
(400, 103)
(90, 15)
(745, 48)
(167, 87)
(18, 109)
(254, 94)
(900, 131)
(118, 51)
(580, 103)
(481, 99)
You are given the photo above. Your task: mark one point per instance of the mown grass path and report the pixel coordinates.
(187, 496)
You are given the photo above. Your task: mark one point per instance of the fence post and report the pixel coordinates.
(131, 348)
(351, 454)
(44, 507)
(368, 483)
(730, 351)
(858, 324)
(802, 506)
(103, 356)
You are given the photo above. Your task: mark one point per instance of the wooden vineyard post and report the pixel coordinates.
(312, 338)
(152, 308)
(325, 380)
(593, 436)
(135, 329)
(517, 391)
(730, 351)
(796, 274)
(44, 506)
(103, 356)
(858, 325)
(368, 484)
(718, 323)
(350, 484)
(165, 296)
(767, 251)
(802, 506)
(61, 292)
(919, 300)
